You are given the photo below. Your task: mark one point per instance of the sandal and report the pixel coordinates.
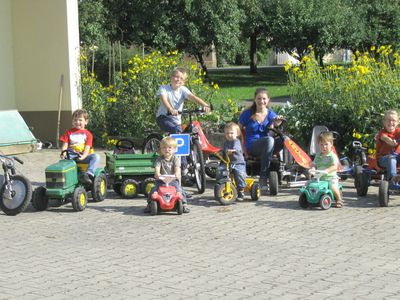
(186, 209)
(339, 204)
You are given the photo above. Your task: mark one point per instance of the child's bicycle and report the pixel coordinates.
(16, 190)
(317, 192)
(166, 197)
(225, 188)
(198, 147)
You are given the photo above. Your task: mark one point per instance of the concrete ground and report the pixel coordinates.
(270, 249)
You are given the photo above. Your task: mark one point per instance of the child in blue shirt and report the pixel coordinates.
(233, 148)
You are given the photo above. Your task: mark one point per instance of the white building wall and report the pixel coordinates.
(41, 54)
(7, 96)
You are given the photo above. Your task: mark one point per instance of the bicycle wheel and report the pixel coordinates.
(17, 198)
(196, 166)
(151, 143)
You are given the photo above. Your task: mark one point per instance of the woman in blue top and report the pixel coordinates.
(258, 143)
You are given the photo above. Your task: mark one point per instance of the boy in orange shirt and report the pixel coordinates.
(80, 140)
(387, 145)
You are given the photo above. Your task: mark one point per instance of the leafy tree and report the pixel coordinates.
(293, 25)
(192, 26)
(253, 27)
(371, 23)
(92, 19)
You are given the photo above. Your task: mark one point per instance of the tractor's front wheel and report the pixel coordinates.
(79, 199)
(40, 201)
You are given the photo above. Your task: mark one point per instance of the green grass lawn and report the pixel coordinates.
(237, 84)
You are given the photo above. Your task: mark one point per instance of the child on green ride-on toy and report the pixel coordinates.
(80, 140)
(328, 161)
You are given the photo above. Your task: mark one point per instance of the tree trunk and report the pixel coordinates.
(199, 58)
(253, 54)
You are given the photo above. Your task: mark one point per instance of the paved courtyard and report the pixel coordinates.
(270, 249)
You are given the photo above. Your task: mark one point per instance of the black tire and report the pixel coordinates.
(211, 171)
(223, 196)
(99, 188)
(273, 183)
(383, 193)
(179, 207)
(147, 186)
(325, 202)
(357, 170)
(79, 199)
(117, 188)
(216, 189)
(154, 208)
(360, 158)
(21, 195)
(40, 201)
(196, 160)
(151, 143)
(255, 191)
(361, 183)
(129, 188)
(303, 200)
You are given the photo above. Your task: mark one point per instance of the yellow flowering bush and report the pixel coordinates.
(347, 99)
(128, 107)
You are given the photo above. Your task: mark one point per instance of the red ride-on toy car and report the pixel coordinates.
(166, 198)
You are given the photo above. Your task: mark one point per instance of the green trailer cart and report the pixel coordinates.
(130, 174)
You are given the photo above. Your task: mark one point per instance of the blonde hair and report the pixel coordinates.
(168, 142)
(232, 125)
(80, 113)
(180, 70)
(391, 112)
(325, 136)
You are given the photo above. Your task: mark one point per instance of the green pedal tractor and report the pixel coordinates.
(63, 185)
(130, 174)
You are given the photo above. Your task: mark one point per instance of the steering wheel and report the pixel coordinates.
(69, 152)
(124, 144)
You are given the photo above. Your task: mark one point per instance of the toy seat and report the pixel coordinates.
(82, 166)
(314, 148)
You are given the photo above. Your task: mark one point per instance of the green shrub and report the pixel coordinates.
(345, 99)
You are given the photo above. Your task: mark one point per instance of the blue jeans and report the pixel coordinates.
(263, 148)
(92, 160)
(239, 173)
(389, 162)
(171, 125)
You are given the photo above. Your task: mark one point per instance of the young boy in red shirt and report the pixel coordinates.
(80, 140)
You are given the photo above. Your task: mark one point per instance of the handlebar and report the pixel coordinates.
(10, 160)
(317, 173)
(167, 178)
(185, 111)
